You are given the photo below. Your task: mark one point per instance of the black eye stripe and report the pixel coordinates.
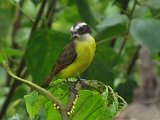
(84, 29)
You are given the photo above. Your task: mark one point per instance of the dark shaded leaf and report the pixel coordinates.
(42, 51)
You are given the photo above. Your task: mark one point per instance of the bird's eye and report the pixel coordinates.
(81, 29)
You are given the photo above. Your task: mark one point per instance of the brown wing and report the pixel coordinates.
(67, 56)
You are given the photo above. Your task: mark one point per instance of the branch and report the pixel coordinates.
(73, 96)
(21, 10)
(50, 12)
(133, 61)
(38, 17)
(127, 33)
(42, 91)
(11, 91)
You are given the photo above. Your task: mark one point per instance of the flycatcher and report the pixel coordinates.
(76, 56)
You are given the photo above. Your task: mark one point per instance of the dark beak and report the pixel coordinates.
(75, 36)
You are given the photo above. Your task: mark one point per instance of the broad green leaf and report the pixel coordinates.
(112, 27)
(143, 12)
(42, 51)
(86, 13)
(84, 108)
(90, 104)
(146, 33)
(113, 20)
(41, 114)
(31, 98)
(35, 103)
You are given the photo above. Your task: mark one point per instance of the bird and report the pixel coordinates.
(76, 56)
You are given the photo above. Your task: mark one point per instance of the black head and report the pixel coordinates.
(80, 28)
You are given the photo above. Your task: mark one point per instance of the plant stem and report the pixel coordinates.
(21, 10)
(50, 12)
(39, 15)
(133, 61)
(127, 33)
(11, 91)
(72, 95)
(42, 91)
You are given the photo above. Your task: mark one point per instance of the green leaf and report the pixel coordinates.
(151, 3)
(113, 20)
(90, 104)
(13, 52)
(84, 108)
(31, 98)
(29, 8)
(22, 36)
(112, 27)
(42, 51)
(41, 115)
(86, 13)
(146, 33)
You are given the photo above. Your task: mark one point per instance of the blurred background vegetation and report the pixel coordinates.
(33, 32)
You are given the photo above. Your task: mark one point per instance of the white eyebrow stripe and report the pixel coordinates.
(80, 25)
(77, 26)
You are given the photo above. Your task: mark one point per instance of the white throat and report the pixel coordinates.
(85, 38)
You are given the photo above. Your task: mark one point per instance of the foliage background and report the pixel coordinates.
(120, 27)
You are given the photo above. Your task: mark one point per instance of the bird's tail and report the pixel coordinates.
(47, 80)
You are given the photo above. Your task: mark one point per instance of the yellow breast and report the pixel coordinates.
(85, 48)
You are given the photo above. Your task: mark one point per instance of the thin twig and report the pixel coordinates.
(11, 91)
(21, 10)
(127, 33)
(39, 15)
(43, 91)
(50, 12)
(133, 61)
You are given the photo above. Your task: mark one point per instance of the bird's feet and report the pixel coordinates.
(81, 81)
(71, 87)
